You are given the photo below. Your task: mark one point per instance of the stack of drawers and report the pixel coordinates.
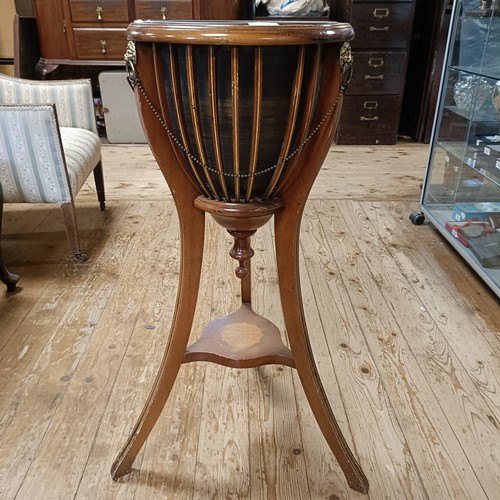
(372, 105)
(92, 32)
(98, 27)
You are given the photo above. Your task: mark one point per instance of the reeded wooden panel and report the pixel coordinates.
(254, 96)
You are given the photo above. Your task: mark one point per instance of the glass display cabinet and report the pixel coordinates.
(461, 192)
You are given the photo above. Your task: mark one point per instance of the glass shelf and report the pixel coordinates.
(485, 164)
(440, 215)
(486, 72)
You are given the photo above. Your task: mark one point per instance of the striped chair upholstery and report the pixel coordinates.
(73, 98)
(49, 145)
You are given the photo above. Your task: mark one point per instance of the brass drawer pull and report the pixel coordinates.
(375, 62)
(368, 118)
(370, 105)
(374, 28)
(163, 11)
(374, 77)
(104, 46)
(99, 13)
(380, 13)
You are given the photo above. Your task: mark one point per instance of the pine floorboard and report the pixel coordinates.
(406, 339)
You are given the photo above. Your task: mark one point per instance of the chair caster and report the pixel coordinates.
(80, 257)
(417, 218)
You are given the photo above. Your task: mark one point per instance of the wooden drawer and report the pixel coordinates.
(382, 25)
(377, 73)
(96, 11)
(369, 120)
(100, 44)
(163, 9)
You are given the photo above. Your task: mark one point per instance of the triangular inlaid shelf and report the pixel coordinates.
(242, 339)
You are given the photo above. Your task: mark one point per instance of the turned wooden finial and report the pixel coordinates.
(241, 251)
(241, 221)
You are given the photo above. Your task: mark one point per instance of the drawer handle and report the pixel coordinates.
(374, 28)
(368, 118)
(374, 77)
(380, 13)
(163, 11)
(99, 13)
(375, 62)
(104, 46)
(370, 105)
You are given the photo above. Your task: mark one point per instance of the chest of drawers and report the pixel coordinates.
(92, 32)
(372, 105)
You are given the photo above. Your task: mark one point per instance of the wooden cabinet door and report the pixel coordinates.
(52, 29)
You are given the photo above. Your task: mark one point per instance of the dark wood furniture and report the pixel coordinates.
(372, 106)
(425, 66)
(92, 32)
(7, 277)
(26, 47)
(240, 118)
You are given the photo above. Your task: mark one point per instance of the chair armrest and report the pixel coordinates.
(73, 98)
(32, 162)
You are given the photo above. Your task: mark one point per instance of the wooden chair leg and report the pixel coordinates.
(10, 279)
(7, 277)
(99, 185)
(69, 217)
(287, 226)
(192, 239)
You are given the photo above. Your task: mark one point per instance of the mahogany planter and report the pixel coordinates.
(240, 117)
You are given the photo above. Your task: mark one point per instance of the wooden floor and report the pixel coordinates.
(407, 341)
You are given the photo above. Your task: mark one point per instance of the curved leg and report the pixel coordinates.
(287, 256)
(192, 238)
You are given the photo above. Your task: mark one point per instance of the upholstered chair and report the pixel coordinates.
(49, 145)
